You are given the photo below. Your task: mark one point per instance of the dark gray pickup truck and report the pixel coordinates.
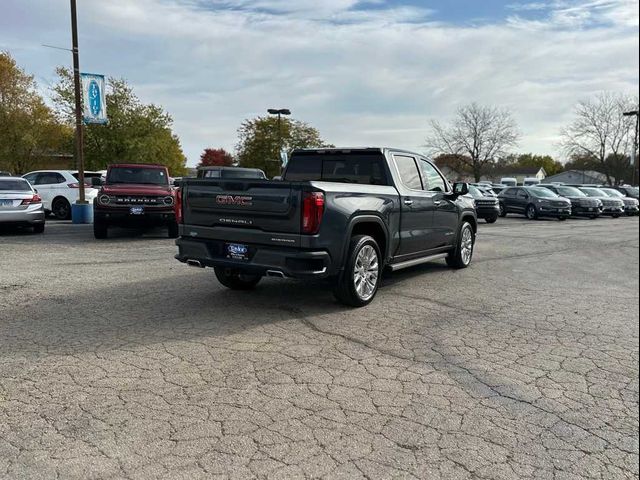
(341, 213)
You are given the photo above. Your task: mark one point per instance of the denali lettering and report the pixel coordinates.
(236, 221)
(234, 200)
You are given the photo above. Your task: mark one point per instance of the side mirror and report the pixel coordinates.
(96, 181)
(460, 188)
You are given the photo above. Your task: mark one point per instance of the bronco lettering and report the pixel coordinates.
(234, 200)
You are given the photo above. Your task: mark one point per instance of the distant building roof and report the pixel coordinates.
(578, 176)
(506, 171)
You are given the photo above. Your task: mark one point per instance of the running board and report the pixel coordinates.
(417, 261)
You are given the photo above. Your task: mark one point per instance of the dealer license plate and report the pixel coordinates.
(237, 251)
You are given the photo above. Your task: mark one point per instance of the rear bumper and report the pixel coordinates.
(32, 215)
(125, 219)
(261, 259)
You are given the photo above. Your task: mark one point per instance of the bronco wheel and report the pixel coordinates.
(100, 230)
(461, 256)
(61, 209)
(173, 230)
(235, 279)
(358, 283)
(531, 212)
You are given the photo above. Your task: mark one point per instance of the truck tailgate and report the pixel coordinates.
(255, 205)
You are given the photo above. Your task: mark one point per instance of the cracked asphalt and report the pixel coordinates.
(116, 361)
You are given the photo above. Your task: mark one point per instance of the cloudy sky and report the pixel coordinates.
(364, 72)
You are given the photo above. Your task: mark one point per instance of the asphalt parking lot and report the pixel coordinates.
(116, 361)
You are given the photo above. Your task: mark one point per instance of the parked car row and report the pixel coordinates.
(564, 201)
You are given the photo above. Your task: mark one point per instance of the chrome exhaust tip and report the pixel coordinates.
(195, 263)
(275, 273)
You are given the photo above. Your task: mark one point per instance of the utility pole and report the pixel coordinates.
(635, 145)
(78, 98)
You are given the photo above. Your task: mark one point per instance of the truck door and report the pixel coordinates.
(445, 211)
(416, 232)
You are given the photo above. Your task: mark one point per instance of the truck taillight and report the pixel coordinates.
(30, 201)
(312, 210)
(178, 205)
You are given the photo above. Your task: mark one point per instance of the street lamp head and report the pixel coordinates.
(279, 111)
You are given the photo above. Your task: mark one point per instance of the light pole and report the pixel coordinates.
(635, 144)
(279, 112)
(76, 88)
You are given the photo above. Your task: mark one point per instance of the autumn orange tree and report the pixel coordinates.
(215, 157)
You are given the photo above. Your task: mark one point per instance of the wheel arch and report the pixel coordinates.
(373, 226)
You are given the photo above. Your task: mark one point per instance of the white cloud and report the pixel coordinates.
(361, 76)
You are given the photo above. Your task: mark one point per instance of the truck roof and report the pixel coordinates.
(132, 165)
(355, 149)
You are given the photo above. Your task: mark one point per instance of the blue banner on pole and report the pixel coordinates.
(93, 98)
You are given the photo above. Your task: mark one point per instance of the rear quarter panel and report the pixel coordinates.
(348, 204)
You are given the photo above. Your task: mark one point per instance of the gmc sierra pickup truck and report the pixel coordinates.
(345, 214)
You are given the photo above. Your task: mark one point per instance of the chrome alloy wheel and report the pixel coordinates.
(466, 245)
(366, 272)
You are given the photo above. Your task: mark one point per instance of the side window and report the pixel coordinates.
(31, 178)
(432, 179)
(408, 171)
(522, 193)
(49, 178)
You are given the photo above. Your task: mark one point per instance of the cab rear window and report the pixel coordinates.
(353, 167)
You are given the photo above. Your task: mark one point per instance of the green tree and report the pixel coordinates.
(260, 138)
(30, 132)
(550, 165)
(135, 133)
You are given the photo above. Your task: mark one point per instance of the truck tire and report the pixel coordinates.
(100, 230)
(173, 230)
(492, 219)
(461, 256)
(235, 279)
(358, 284)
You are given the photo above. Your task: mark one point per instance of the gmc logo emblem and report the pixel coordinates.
(234, 200)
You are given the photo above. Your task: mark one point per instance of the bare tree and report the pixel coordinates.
(600, 130)
(479, 134)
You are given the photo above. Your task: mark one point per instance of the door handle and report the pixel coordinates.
(408, 201)
(437, 202)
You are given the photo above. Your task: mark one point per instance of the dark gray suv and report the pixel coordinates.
(533, 202)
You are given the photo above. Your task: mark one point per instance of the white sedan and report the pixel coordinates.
(60, 188)
(20, 205)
